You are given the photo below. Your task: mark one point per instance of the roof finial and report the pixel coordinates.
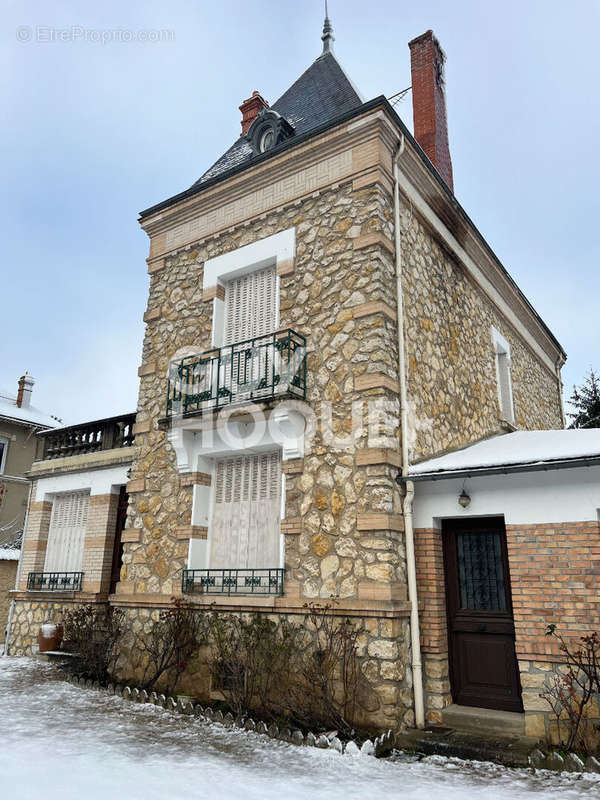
(327, 37)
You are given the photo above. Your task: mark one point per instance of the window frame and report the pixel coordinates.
(503, 362)
(3, 441)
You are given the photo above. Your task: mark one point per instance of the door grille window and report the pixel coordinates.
(481, 573)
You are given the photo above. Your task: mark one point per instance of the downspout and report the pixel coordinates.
(411, 567)
(11, 609)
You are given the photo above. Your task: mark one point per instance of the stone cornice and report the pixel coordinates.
(337, 155)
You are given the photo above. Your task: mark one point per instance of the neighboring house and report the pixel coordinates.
(321, 269)
(19, 422)
(9, 559)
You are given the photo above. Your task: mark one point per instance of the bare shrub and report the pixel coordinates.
(94, 633)
(306, 673)
(252, 656)
(325, 692)
(570, 695)
(173, 640)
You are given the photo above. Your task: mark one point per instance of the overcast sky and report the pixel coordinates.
(95, 132)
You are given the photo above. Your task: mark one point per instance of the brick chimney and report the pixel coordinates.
(250, 109)
(25, 387)
(429, 102)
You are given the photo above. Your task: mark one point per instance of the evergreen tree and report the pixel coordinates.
(586, 402)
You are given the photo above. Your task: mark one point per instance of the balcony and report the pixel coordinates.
(232, 581)
(89, 437)
(54, 581)
(251, 371)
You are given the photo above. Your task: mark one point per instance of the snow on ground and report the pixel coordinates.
(62, 742)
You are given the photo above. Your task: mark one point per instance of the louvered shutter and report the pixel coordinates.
(246, 513)
(250, 306)
(66, 536)
(250, 315)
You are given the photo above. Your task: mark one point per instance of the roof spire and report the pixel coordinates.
(327, 37)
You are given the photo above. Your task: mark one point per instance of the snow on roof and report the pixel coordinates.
(8, 554)
(519, 447)
(9, 408)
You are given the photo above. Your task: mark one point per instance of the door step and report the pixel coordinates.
(483, 720)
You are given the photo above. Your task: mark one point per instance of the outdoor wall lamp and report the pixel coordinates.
(464, 499)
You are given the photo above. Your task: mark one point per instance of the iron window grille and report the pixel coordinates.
(54, 581)
(232, 581)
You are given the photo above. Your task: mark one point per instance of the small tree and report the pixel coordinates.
(586, 402)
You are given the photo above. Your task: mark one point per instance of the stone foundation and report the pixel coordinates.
(383, 648)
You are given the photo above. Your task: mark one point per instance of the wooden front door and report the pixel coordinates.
(117, 558)
(481, 631)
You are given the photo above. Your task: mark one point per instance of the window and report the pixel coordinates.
(64, 552)
(250, 305)
(246, 512)
(3, 452)
(503, 365)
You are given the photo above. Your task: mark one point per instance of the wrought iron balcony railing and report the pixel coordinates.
(256, 369)
(74, 440)
(232, 581)
(54, 581)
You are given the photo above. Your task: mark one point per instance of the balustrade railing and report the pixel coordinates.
(232, 581)
(103, 434)
(254, 370)
(54, 581)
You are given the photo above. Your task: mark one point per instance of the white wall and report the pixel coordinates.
(527, 498)
(98, 481)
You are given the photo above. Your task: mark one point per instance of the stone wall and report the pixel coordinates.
(383, 648)
(340, 295)
(452, 389)
(28, 617)
(8, 575)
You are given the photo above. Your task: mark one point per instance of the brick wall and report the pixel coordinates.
(99, 540)
(36, 538)
(555, 571)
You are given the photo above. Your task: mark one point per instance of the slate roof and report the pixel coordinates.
(320, 94)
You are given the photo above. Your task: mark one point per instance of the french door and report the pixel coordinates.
(246, 515)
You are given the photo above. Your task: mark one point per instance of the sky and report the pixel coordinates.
(100, 125)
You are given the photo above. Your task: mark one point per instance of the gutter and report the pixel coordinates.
(506, 469)
(407, 506)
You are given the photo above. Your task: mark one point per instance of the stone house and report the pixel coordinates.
(322, 317)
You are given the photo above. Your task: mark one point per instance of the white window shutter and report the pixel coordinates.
(246, 515)
(64, 552)
(250, 306)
